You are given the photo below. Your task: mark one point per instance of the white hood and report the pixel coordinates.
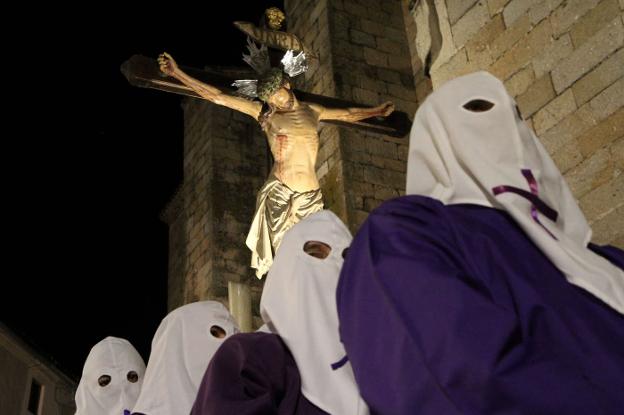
(299, 304)
(485, 158)
(181, 350)
(112, 358)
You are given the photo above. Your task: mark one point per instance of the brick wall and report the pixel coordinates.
(563, 62)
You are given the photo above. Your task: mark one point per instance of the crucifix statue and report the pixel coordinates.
(290, 119)
(292, 190)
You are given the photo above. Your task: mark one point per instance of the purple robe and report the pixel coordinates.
(252, 373)
(454, 310)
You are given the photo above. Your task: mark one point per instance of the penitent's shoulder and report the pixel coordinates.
(415, 209)
(407, 223)
(257, 344)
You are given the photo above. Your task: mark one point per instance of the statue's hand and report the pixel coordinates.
(167, 64)
(386, 108)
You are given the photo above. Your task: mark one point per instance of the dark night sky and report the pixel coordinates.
(94, 161)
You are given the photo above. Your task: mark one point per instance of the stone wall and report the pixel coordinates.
(225, 163)
(563, 62)
(365, 59)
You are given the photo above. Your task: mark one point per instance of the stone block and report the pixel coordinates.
(357, 218)
(536, 96)
(569, 13)
(365, 96)
(593, 21)
(391, 46)
(361, 38)
(496, 6)
(602, 134)
(399, 62)
(374, 28)
(553, 52)
(609, 228)
(457, 8)
(532, 45)
(589, 55)
(510, 36)
(568, 129)
(478, 47)
(451, 69)
(394, 33)
(371, 204)
(470, 23)
(520, 82)
(389, 75)
(517, 9)
(608, 101)
(568, 156)
(355, 9)
(603, 200)
(381, 148)
(600, 78)
(375, 58)
(385, 193)
(403, 151)
(554, 112)
(591, 173)
(402, 92)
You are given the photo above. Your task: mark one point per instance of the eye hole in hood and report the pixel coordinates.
(478, 105)
(217, 331)
(132, 376)
(317, 249)
(104, 380)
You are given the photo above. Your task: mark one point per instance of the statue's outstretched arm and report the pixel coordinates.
(354, 114)
(208, 92)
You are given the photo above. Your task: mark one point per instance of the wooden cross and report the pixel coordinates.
(144, 72)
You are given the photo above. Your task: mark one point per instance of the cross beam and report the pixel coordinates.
(144, 72)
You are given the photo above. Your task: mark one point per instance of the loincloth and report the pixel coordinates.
(278, 208)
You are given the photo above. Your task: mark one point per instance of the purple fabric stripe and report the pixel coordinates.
(537, 204)
(340, 363)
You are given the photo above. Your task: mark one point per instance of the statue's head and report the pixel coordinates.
(274, 17)
(274, 88)
(272, 81)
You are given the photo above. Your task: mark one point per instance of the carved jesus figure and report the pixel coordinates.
(291, 126)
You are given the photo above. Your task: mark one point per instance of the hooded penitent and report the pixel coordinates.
(469, 145)
(111, 379)
(299, 304)
(182, 347)
(477, 292)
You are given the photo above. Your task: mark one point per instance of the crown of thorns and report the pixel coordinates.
(270, 79)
